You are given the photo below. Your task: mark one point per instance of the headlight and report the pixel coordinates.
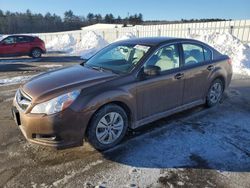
(55, 105)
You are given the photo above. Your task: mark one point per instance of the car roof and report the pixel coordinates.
(18, 35)
(155, 41)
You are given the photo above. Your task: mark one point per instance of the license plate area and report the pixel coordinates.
(16, 116)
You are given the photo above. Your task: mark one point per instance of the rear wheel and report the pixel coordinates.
(36, 53)
(108, 127)
(215, 93)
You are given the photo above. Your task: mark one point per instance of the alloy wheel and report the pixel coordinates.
(215, 92)
(36, 53)
(109, 128)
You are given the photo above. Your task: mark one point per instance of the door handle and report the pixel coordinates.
(179, 76)
(210, 67)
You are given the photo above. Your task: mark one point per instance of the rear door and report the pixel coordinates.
(163, 92)
(196, 68)
(8, 46)
(24, 44)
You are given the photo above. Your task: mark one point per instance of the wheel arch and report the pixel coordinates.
(119, 103)
(222, 78)
(218, 73)
(33, 48)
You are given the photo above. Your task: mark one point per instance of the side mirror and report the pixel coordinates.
(152, 70)
(84, 61)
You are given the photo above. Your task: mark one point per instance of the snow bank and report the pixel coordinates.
(231, 46)
(126, 36)
(63, 43)
(90, 43)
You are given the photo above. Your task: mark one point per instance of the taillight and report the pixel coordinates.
(229, 61)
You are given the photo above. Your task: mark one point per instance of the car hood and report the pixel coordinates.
(51, 84)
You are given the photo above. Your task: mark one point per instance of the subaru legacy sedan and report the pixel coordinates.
(126, 85)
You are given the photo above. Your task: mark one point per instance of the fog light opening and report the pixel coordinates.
(48, 137)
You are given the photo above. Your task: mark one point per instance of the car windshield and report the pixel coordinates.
(118, 58)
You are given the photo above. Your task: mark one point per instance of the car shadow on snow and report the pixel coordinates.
(198, 142)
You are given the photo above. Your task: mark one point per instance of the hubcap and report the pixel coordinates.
(215, 92)
(109, 128)
(36, 53)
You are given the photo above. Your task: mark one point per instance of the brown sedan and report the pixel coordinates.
(126, 85)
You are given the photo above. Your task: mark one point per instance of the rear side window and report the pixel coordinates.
(24, 39)
(193, 54)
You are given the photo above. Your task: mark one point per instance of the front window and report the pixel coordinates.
(9, 40)
(165, 58)
(119, 58)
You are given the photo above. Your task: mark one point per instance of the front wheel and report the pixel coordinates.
(215, 93)
(36, 53)
(108, 127)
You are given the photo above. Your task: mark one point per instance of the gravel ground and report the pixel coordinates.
(196, 148)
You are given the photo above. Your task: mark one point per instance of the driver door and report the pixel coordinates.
(8, 46)
(163, 92)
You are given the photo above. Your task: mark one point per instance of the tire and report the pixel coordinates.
(36, 53)
(215, 93)
(110, 122)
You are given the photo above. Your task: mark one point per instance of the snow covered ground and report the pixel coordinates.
(6, 80)
(198, 148)
(14, 80)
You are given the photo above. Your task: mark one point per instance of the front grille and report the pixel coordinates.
(23, 100)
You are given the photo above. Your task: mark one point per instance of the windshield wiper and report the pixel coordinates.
(102, 69)
(98, 68)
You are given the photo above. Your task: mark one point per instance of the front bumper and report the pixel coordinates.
(61, 130)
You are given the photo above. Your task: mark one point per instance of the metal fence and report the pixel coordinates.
(238, 28)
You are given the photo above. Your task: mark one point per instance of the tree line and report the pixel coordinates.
(28, 22)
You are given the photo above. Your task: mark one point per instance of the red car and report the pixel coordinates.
(20, 45)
